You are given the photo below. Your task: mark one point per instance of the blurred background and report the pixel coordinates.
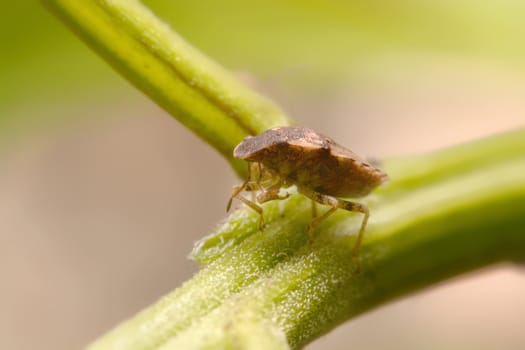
(102, 194)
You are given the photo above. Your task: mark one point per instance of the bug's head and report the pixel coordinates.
(256, 148)
(248, 149)
(273, 142)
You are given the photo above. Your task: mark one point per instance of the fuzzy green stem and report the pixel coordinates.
(423, 229)
(197, 91)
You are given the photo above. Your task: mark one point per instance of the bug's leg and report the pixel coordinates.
(362, 209)
(236, 190)
(259, 173)
(253, 195)
(255, 207)
(314, 209)
(247, 185)
(271, 193)
(336, 203)
(249, 203)
(265, 195)
(239, 188)
(257, 182)
(322, 199)
(316, 222)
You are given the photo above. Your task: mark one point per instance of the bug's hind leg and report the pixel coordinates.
(315, 221)
(337, 203)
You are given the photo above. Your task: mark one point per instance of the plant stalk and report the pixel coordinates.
(195, 90)
(421, 231)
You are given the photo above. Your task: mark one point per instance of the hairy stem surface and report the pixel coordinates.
(423, 229)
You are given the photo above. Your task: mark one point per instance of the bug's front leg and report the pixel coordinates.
(235, 193)
(248, 184)
(271, 193)
(255, 207)
(314, 209)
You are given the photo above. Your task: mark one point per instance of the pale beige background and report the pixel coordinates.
(97, 218)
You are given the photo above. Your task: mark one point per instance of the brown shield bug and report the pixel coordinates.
(321, 170)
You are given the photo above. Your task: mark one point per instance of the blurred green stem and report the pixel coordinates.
(442, 214)
(194, 89)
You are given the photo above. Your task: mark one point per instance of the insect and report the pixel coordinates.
(321, 170)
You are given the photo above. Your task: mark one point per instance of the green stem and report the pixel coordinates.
(197, 91)
(463, 218)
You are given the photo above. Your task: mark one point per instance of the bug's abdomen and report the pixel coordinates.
(336, 177)
(328, 170)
